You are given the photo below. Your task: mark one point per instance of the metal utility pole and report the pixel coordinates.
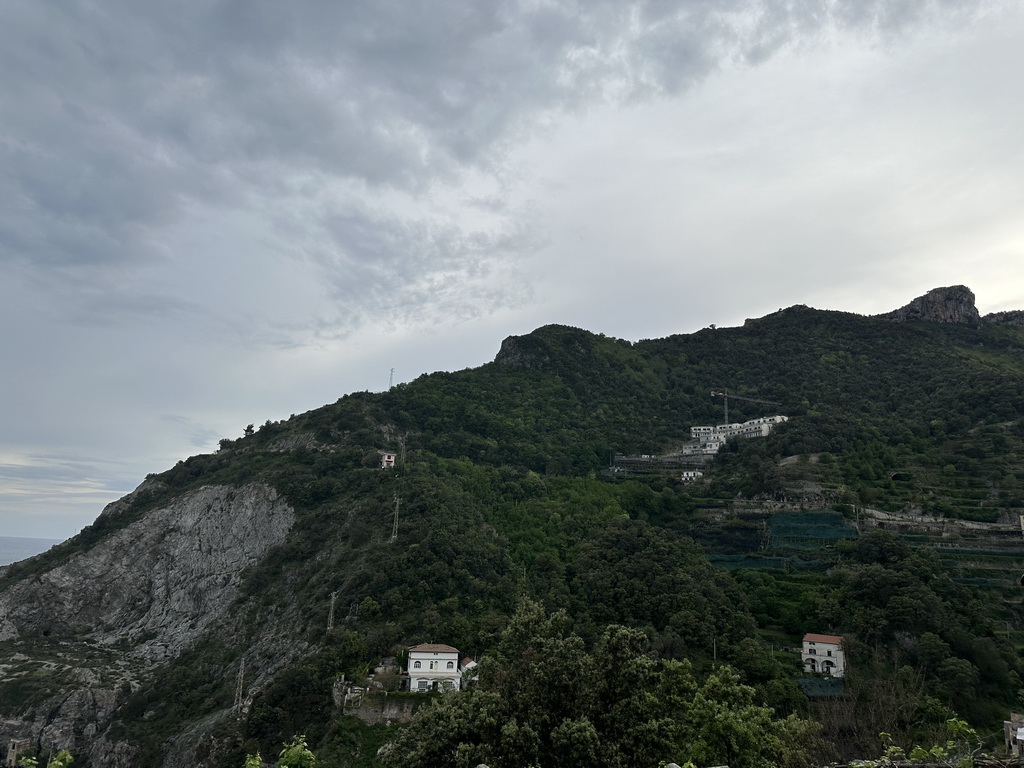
(330, 613)
(239, 686)
(391, 379)
(394, 527)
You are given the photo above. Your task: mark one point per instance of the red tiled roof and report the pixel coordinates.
(434, 648)
(810, 637)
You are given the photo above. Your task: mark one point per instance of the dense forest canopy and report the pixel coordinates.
(903, 446)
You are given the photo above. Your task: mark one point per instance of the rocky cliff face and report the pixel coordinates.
(954, 304)
(141, 595)
(163, 578)
(1014, 318)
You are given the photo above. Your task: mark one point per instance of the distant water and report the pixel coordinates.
(15, 548)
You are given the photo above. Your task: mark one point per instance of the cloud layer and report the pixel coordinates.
(212, 212)
(328, 132)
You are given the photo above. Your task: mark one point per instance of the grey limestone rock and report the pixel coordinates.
(953, 304)
(1013, 318)
(159, 582)
(140, 595)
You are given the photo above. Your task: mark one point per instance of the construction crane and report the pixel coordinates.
(724, 394)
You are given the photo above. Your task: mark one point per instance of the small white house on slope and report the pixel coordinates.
(823, 654)
(434, 663)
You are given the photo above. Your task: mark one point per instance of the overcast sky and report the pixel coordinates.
(217, 213)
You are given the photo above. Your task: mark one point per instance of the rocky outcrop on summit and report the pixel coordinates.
(157, 583)
(954, 304)
(518, 353)
(547, 348)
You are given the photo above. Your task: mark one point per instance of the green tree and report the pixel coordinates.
(543, 699)
(60, 760)
(725, 727)
(296, 754)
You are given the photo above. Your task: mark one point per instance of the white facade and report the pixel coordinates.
(699, 449)
(713, 438)
(690, 475)
(433, 663)
(387, 459)
(823, 654)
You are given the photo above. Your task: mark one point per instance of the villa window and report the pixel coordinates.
(433, 665)
(416, 665)
(451, 665)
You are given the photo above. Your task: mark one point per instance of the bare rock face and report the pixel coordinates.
(545, 347)
(157, 583)
(97, 621)
(1013, 318)
(954, 304)
(519, 352)
(75, 718)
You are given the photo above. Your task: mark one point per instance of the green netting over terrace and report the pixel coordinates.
(802, 530)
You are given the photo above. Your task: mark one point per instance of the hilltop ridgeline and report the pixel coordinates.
(953, 304)
(210, 613)
(948, 305)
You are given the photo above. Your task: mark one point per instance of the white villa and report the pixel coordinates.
(433, 664)
(387, 459)
(824, 654)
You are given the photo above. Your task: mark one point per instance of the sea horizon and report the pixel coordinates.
(15, 548)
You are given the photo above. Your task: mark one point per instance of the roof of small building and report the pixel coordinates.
(433, 648)
(810, 637)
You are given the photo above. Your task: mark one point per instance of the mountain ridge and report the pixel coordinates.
(503, 490)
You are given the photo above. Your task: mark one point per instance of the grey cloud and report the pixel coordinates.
(405, 269)
(121, 116)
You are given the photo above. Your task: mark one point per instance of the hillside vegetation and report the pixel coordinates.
(886, 509)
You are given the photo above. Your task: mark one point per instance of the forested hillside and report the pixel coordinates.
(886, 510)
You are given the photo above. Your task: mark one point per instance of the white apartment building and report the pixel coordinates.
(715, 436)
